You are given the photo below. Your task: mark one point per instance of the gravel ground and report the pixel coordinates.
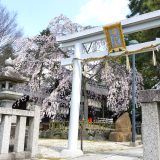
(49, 149)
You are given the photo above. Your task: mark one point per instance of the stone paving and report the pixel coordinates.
(93, 150)
(131, 154)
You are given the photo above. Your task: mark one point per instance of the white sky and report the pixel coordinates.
(34, 15)
(102, 12)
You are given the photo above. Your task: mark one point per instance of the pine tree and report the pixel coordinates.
(134, 6)
(143, 6)
(150, 73)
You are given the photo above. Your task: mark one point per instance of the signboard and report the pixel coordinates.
(114, 38)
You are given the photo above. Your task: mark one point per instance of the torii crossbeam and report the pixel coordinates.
(130, 25)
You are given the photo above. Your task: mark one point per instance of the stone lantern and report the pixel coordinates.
(19, 129)
(9, 78)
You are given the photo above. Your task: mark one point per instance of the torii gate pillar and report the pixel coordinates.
(72, 150)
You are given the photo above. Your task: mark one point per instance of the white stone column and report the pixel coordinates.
(7, 85)
(5, 129)
(72, 150)
(151, 130)
(20, 134)
(33, 132)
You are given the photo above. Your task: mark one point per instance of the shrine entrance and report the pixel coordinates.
(77, 40)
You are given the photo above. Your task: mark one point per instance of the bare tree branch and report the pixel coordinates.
(8, 28)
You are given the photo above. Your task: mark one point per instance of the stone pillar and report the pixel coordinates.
(72, 150)
(7, 85)
(5, 129)
(20, 134)
(33, 132)
(150, 100)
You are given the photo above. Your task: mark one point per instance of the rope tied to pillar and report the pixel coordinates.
(128, 67)
(154, 58)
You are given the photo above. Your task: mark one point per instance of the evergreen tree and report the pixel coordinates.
(151, 74)
(143, 6)
(45, 32)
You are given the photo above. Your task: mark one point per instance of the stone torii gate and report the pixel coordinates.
(130, 25)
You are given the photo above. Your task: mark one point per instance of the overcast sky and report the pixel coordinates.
(34, 15)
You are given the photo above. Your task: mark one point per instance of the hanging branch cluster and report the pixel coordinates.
(59, 100)
(119, 86)
(117, 81)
